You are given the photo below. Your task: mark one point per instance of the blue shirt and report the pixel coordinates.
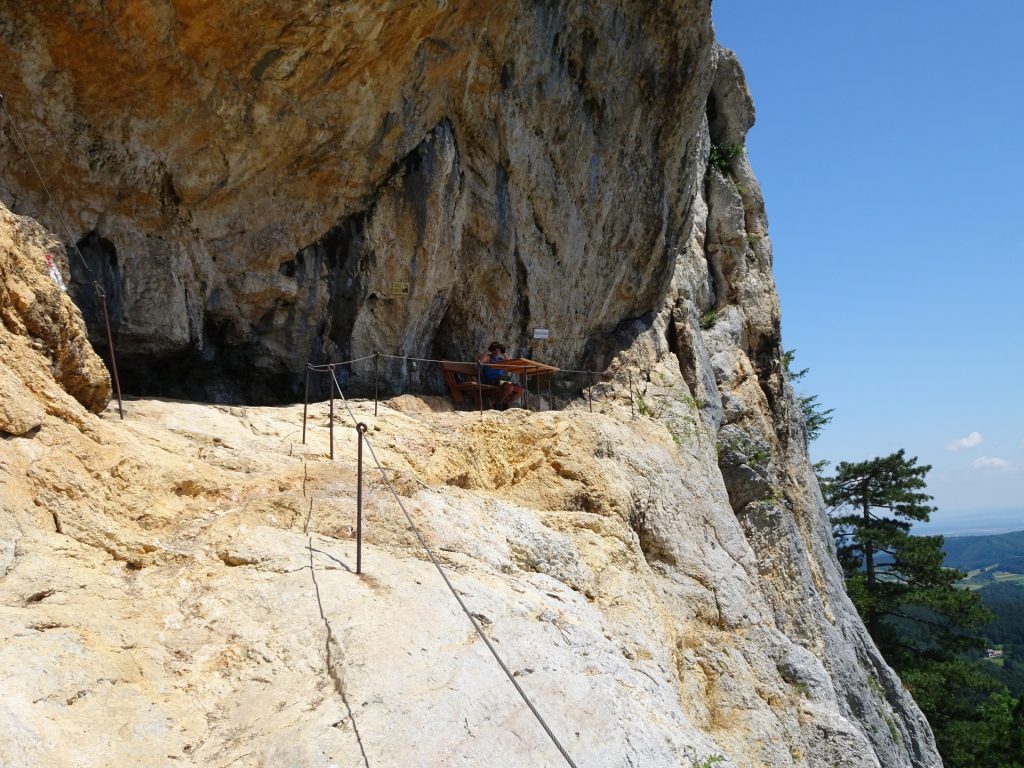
(491, 375)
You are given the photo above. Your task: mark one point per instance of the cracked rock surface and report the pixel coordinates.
(199, 605)
(178, 588)
(250, 181)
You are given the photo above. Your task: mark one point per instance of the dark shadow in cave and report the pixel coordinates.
(232, 365)
(97, 274)
(221, 372)
(101, 268)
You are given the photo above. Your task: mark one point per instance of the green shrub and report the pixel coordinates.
(722, 156)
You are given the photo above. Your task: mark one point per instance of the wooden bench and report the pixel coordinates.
(462, 378)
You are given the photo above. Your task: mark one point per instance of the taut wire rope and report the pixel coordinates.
(323, 367)
(74, 243)
(451, 587)
(326, 366)
(434, 360)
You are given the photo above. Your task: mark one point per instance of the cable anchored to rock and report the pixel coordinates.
(451, 587)
(326, 366)
(100, 293)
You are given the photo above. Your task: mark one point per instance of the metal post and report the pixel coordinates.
(376, 380)
(551, 400)
(480, 388)
(360, 431)
(590, 391)
(330, 369)
(110, 343)
(305, 405)
(632, 413)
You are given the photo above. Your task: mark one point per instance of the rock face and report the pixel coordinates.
(46, 363)
(659, 574)
(180, 585)
(255, 199)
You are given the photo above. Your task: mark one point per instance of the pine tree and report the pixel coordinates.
(816, 418)
(908, 600)
(920, 621)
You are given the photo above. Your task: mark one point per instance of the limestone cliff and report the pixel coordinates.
(48, 363)
(660, 573)
(177, 588)
(249, 181)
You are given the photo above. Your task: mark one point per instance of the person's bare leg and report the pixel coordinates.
(514, 392)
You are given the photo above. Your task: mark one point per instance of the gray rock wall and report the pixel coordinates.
(250, 198)
(715, 350)
(257, 193)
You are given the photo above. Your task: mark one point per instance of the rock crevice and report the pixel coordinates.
(326, 183)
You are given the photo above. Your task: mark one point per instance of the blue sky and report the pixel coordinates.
(888, 146)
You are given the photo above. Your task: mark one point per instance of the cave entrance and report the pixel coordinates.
(223, 371)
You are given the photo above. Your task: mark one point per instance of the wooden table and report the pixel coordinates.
(520, 366)
(463, 378)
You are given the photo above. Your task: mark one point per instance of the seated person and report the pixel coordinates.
(507, 389)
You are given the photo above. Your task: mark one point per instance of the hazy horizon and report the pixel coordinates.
(973, 522)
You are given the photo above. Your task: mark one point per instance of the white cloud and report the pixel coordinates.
(971, 441)
(991, 462)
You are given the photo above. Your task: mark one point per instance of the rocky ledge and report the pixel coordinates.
(412, 179)
(178, 588)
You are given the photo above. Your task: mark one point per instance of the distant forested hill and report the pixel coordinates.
(1002, 552)
(1006, 601)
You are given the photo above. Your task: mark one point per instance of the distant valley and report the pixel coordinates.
(1002, 552)
(995, 569)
